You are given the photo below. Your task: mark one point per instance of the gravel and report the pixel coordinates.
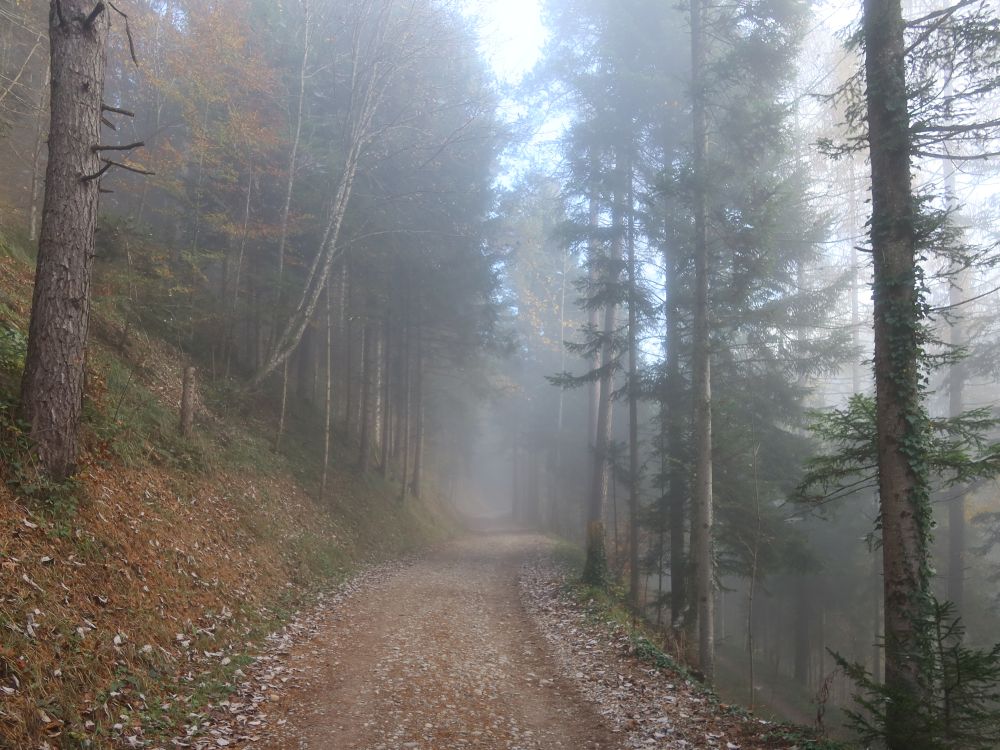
(477, 645)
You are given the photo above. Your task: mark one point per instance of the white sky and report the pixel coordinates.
(511, 34)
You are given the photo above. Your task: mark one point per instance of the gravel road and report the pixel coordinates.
(440, 655)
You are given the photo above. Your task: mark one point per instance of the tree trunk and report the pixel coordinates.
(360, 406)
(673, 426)
(369, 351)
(233, 314)
(328, 397)
(517, 498)
(349, 362)
(701, 535)
(55, 368)
(305, 354)
(633, 408)
(386, 411)
(557, 488)
(901, 421)
(34, 192)
(599, 405)
(595, 567)
(404, 433)
(371, 72)
(294, 154)
(803, 613)
(344, 340)
(956, 506)
(283, 409)
(285, 212)
(594, 319)
(198, 194)
(187, 403)
(957, 377)
(418, 408)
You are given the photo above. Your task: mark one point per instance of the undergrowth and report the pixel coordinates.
(607, 607)
(212, 540)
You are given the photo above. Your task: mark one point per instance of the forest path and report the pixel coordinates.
(442, 655)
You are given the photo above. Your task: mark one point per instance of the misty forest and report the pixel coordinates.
(439, 374)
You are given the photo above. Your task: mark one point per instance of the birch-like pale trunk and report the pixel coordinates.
(286, 208)
(372, 70)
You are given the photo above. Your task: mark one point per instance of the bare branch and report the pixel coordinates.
(965, 301)
(128, 33)
(17, 78)
(97, 174)
(949, 11)
(126, 147)
(956, 157)
(89, 21)
(105, 121)
(958, 128)
(128, 167)
(109, 163)
(117, 111)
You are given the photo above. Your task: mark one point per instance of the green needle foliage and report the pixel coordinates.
(958, 451)
(961, 710)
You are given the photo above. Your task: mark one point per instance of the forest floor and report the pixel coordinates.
(479, 644)
(133, 597)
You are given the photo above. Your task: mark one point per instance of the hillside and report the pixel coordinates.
(133, 595)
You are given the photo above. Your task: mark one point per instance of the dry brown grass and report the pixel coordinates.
(121, 616)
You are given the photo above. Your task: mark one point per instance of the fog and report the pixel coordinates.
(690, 288)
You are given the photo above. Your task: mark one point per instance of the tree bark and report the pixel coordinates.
(53, 384)
(899, 411)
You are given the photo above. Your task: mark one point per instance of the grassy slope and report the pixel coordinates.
(130, 598)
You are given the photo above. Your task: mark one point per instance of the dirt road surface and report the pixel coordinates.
(440, 656)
